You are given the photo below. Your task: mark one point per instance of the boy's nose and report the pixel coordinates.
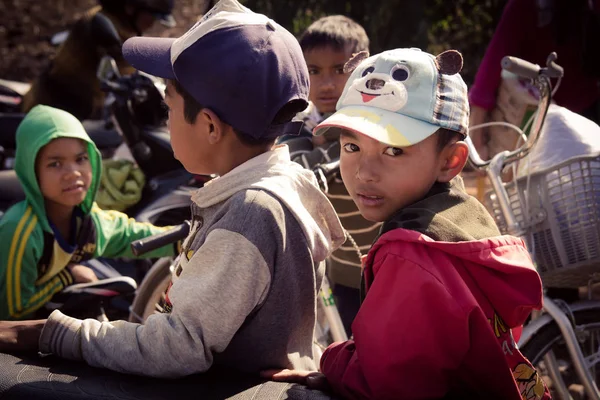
(327, 83)
(72, 170)
(366, 171)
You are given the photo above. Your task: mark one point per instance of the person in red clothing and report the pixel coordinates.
(443, 288)
(531, 30)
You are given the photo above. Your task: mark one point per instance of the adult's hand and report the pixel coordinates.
(479, 137)
(20, 336)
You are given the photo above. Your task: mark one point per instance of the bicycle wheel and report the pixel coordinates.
(549, 337)
(150, 295)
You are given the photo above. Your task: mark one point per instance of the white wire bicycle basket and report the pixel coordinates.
(559, 208)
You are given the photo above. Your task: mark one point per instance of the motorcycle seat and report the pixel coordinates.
(11, 189)
(107, 287)
(8, 128)
(18, 88)
(35, 378)
(101, 289)
(82, 298)
(104, 136)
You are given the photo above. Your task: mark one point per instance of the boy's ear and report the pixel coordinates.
(216, 127)
(356, 59)
(454, 158)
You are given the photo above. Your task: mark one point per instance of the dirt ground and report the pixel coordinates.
(26, 27)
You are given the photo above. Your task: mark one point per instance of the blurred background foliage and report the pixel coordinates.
(432, 25)
(435, 25)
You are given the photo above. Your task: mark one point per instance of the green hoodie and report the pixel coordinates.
(32, 257)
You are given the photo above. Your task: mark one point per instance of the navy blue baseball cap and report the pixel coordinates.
(242, 65)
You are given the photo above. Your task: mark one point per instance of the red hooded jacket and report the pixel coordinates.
(436, 320)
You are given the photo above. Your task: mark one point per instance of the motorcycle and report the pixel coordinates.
(135, 104)
(137, 121)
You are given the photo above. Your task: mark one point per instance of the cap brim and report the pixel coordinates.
(151, 55)
(166, 19)
(385, 126)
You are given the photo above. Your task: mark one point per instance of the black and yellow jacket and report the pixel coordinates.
(32, 256)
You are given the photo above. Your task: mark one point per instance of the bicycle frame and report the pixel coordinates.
(493, 169)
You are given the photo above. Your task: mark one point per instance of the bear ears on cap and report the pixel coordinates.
(356, 59)
(449, 62)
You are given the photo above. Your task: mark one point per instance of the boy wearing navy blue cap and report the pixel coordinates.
(243, 293)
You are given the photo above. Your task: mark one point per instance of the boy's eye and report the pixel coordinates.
(313, 71)
(82, 158)
(340, 71)
(350, 147)
(53, 164)
(393, 151)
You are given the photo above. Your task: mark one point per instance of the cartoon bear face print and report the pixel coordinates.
(387, 80)
(380, 85)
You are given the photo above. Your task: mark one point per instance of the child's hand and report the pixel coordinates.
(363, 260)
(82, 274)
(314, 380)
(19, 336)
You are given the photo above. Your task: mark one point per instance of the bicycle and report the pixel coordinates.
(556, 212)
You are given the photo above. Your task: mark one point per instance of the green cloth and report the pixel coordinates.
(121, 185)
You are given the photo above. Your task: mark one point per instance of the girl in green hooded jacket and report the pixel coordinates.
(44, 238)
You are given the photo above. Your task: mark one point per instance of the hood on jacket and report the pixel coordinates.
(455, 223)
(41, 125)
(293, 185)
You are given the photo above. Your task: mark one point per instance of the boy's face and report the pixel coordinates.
(327, 77)
(383, 179)
(64, 171)
(184, 140)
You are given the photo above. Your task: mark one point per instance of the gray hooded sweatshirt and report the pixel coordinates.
(245, 288)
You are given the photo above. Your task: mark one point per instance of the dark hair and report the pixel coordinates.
(118, 6)
(191, 109)
(447, 136)
(114, 7)
(336, 31)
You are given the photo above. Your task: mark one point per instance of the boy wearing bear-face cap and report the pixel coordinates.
(443, 288)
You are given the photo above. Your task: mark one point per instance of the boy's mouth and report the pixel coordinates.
(369, 200)
(76, 187)
(328, 99)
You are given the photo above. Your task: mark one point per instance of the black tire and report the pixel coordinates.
(549, 338)
(550, 335)
(150, 293)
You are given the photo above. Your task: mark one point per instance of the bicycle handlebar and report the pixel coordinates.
(172, 235)
(520, 67)
(493, 168)
(325, 171)
(541, 77)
